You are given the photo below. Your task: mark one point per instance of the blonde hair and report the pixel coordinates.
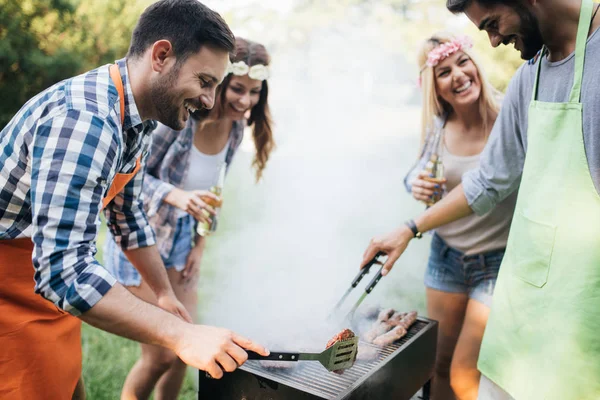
(489, 98)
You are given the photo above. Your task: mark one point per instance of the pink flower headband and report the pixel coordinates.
(444, 50)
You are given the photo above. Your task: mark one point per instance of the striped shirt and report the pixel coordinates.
(167, 167)
(58, 156)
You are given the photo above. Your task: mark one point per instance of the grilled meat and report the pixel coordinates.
(390, 337)
(381, 326)
(384, 315)
(388, 321)
(343, 335)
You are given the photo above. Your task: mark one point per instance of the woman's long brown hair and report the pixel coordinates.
(260, 117)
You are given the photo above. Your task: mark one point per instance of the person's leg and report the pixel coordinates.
(169, 384)
(464, 375)
(481, 272)
(447, 297)
(449, 310)
(153, 363)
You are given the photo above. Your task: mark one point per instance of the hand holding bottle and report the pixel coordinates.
(198, 203)
(427, 188)
(207, 227)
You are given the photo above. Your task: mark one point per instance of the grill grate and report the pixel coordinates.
(313, 378)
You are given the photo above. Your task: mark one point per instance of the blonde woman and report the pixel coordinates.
(459, 109)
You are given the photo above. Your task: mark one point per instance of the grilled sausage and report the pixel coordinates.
(390, 337)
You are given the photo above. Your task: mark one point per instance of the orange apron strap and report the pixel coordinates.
(115, 75)
(41, 345)
(121, 180)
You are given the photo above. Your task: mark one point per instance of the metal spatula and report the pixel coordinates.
(339, 356)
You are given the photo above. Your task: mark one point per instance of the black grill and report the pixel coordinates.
(398, 372)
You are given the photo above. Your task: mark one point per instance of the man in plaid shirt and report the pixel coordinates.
(72, 151)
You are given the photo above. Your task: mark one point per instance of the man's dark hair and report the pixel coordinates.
(187, 24)
(459, 6)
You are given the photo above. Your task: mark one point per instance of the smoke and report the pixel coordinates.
(347, 128)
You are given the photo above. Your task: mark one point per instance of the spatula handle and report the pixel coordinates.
(274, 356)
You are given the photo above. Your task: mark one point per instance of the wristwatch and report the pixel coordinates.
(413, 227)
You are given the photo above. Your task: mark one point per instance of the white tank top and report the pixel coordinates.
(203, 170)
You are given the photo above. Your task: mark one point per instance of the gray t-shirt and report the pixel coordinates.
(502, 160)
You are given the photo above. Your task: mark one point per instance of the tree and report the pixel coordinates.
(45, 41)
(30, 56)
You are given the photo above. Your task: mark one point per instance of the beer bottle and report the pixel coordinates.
(435, 168)
(205, 228)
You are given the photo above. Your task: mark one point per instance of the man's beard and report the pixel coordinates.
(165, 101)
(530, 33)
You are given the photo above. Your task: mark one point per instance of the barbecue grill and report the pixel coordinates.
(398, 372)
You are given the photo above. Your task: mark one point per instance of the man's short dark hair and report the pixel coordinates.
(459, 6)
(187, 24)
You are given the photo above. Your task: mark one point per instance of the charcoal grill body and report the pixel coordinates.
(398, 373)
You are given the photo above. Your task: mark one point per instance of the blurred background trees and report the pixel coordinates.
(45, 41)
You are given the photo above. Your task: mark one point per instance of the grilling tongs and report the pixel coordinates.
(364, 271)
(340, 355)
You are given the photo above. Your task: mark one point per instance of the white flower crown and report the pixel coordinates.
(259, 72)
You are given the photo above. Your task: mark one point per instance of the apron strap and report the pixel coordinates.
(116, 78)
(537, 72)
(121, 180)
(585, 18)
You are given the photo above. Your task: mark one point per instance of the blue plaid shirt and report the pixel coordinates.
(167, 167)
(58, 156)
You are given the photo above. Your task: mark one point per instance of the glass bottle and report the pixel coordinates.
(206, 228)
(435, 168)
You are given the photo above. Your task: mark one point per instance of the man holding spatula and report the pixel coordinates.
(72, 151)
(542, 338)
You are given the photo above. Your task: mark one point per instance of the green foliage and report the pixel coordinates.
(45, 41)
(30, 58)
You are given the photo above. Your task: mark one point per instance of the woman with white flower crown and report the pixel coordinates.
(181, 168)
(459, 110)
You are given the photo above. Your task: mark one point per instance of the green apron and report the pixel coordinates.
(542, 340)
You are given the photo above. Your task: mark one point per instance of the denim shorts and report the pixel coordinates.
(119, 266)
(450, 270)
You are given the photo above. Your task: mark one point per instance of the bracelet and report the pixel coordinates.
(413, 227)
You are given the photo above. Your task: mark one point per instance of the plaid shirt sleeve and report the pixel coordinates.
(72, 157)
(126, 217)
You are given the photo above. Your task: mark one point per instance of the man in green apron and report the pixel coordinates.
(542, 340)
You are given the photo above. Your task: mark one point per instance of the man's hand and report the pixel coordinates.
(204, 347)
(393, 244)
(170, 304)
(214, 350)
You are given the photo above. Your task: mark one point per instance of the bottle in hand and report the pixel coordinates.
(205, 228)
(435, 169)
